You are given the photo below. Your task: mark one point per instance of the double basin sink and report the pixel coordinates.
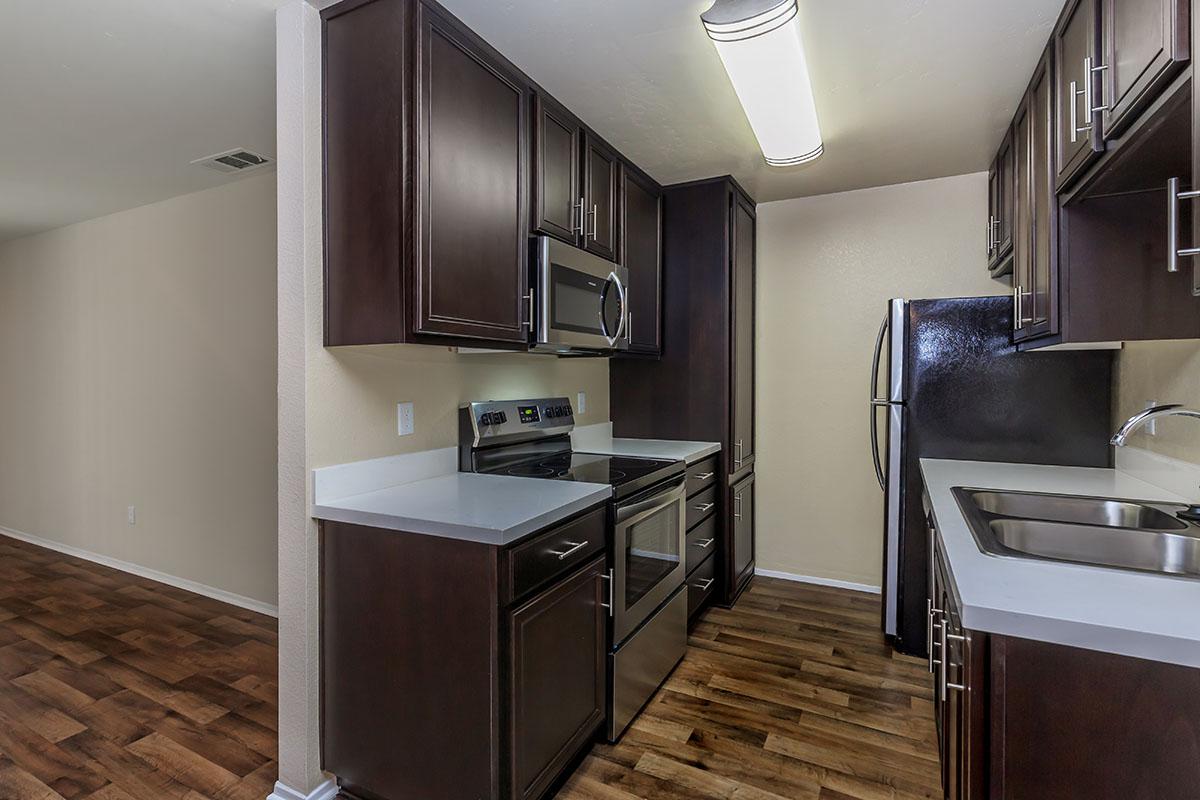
(1126, 534)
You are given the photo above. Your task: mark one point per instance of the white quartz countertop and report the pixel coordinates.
(599, 439)
(493, 509)
(1137, 614)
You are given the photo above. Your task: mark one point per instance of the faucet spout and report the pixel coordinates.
(1149, 415)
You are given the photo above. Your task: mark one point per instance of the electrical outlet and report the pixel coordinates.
(404, 418)
(1151, 427)
(581, 403)
(131, 514)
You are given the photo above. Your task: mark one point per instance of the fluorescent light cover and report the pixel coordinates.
(759, 43)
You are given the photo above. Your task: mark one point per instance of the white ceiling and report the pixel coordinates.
(103, 104)
(905, 89)
(106, 103)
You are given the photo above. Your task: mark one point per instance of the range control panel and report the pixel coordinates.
(508, 419)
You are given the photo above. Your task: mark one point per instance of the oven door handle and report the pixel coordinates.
(675, 493)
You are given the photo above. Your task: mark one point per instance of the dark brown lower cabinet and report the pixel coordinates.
(556, 645)
(703, 535)
(741, 523)
(1020, 719)
(454, 669)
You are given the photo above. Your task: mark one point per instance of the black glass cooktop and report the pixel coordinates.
(625, 474)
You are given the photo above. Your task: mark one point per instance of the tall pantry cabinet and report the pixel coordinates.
(702, 388)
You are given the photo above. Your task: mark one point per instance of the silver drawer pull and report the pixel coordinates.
(705, 544)
(703, 476)
(609, 605)
(572, 548)
(704, 584)
(704, 507)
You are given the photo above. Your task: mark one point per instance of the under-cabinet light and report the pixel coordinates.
(759, 42)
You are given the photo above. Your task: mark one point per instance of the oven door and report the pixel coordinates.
(648, 546)
(583, 300)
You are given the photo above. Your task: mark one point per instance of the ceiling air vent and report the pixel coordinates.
(233, 161)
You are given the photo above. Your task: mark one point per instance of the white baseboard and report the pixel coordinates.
(788, 576)
(145, 572)
(326, 791)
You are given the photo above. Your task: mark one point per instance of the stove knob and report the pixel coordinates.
(485, 419)
(567, 411)
(503, 418)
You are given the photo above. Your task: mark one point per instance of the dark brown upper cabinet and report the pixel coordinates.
(743, 225)
(641, 254)
(1000, 209)
(471, 177)
(1075, 46)
(1034, 250)
(427, 180)
(1145, 44)
(601, 187)
(557, 177)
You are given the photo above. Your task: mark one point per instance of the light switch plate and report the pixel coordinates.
(404, 418)
(581, 403)
(131, 515)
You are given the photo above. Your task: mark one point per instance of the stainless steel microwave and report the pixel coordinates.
(582, 300)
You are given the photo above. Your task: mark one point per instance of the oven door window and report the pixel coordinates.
(651, 552)
(583, 303)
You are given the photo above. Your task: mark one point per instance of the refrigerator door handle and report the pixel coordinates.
(878, 401)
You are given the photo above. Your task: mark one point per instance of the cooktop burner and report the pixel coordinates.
(624, 473)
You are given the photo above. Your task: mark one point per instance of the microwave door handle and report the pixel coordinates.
(623, 294)
(612, 338)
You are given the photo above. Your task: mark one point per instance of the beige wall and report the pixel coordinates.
(353, 392)
(138, 360)
(1165, 372)
(826, 267)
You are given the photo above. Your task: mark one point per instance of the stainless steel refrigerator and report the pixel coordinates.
(947, 382)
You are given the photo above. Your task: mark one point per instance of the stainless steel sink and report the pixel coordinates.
(1083, 510)
(1127, 534)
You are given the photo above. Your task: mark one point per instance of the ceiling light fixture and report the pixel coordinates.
(760, 45)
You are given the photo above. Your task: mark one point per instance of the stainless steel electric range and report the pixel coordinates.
(647, 522)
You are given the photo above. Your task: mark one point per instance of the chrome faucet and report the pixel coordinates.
(1149, 415)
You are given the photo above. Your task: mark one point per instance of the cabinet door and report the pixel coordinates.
(1043, 202)
(741, 544)
(1005, 175)
(641, 254)
(1075, 44)
(742, 227)
(472, 119)
(1145, 43)
(1022, 221)
(556, 650)
(557, 201)
(601, 179)
(993, 211)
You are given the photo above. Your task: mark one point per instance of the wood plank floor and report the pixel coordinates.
(793, 695)
(113, 687)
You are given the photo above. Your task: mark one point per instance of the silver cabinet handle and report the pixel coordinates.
(704, 584)
(529, 324)
(944, 667)
(1088, 70)
(704, 507)
(737, 446)
(705, 543)
(929, 629)
(572, 548)
(595, 234)
(1075, 129)
(609, 604)
(703, 476)
(1019, 318)
(737, 507)
(582, 215)
(1174, 251)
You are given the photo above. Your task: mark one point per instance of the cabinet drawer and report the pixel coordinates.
(548, 555)
(701, 543)
(701, 475)
(700, 506)
(701, 584)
